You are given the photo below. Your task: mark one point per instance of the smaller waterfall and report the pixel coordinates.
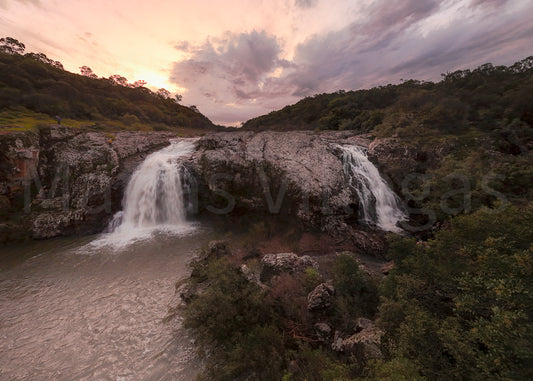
(155, 196)
(379, 205)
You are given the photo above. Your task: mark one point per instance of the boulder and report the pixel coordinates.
(323, 331)
(365, 343)
(320, 298)
(275, 264)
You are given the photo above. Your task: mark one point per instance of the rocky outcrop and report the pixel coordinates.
(276, 264)
(321, 298)
(298, 173)
(62, 180)
(398, 159)
(365, 343)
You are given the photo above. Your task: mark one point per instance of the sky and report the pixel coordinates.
(238, 59)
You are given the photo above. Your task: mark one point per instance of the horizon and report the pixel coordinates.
(241, 60)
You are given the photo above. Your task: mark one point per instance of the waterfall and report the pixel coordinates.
(378, 204)
(155, 196)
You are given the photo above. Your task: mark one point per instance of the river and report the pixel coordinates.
(74, 310)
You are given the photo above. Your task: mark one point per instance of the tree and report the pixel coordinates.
(139, 83)
(178, 97)
(10, 45)
(86, 71)
(163, 93)
(41, 57)
(119, 80)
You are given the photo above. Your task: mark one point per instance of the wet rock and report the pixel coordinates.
(79, 176)
(320, 298)
(275, 264)
(296, 173)
(190, 290)
(49, 225)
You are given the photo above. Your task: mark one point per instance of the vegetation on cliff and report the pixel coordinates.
(33, 84)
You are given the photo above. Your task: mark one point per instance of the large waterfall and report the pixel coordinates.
(378, 204)
(154, 198)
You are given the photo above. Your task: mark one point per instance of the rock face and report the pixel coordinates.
(298, 173)
(62, 180)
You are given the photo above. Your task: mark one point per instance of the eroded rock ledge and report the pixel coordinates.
(61, 180)
(297, 173)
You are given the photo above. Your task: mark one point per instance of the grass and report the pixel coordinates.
(22, 119)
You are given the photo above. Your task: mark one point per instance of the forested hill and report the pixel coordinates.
(36, 83)
(482, 97)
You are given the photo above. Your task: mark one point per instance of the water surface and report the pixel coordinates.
(71, 310)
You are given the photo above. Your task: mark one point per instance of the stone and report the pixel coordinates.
(323, 331)
(298, 173)
(320, 298)
(366, 342)
(80, 176)
(251, 276)
(275, 264)
(387, 268)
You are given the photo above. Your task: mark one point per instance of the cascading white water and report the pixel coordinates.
(154, 197)
(379, 205)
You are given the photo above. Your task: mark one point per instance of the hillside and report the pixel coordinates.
(481, 98)
(32, 84)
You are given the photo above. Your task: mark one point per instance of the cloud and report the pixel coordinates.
(243, 75)
(305, 3)
(4, 3)
(488, 3)
(234, 69)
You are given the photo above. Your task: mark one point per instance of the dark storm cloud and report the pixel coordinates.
(503, 40)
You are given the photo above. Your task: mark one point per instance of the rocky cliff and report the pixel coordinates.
(298, 173)
(61, 181)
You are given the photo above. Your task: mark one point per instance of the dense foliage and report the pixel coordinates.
(254, 333)
(40, 84)
(460, 307)
(482, 98)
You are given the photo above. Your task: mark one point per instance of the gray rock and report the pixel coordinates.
(251, 276)
(363, 323)
(366, 343)
(323, 331)
(79, 176)
(275, 264)
(320, 298)
(299, 173)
